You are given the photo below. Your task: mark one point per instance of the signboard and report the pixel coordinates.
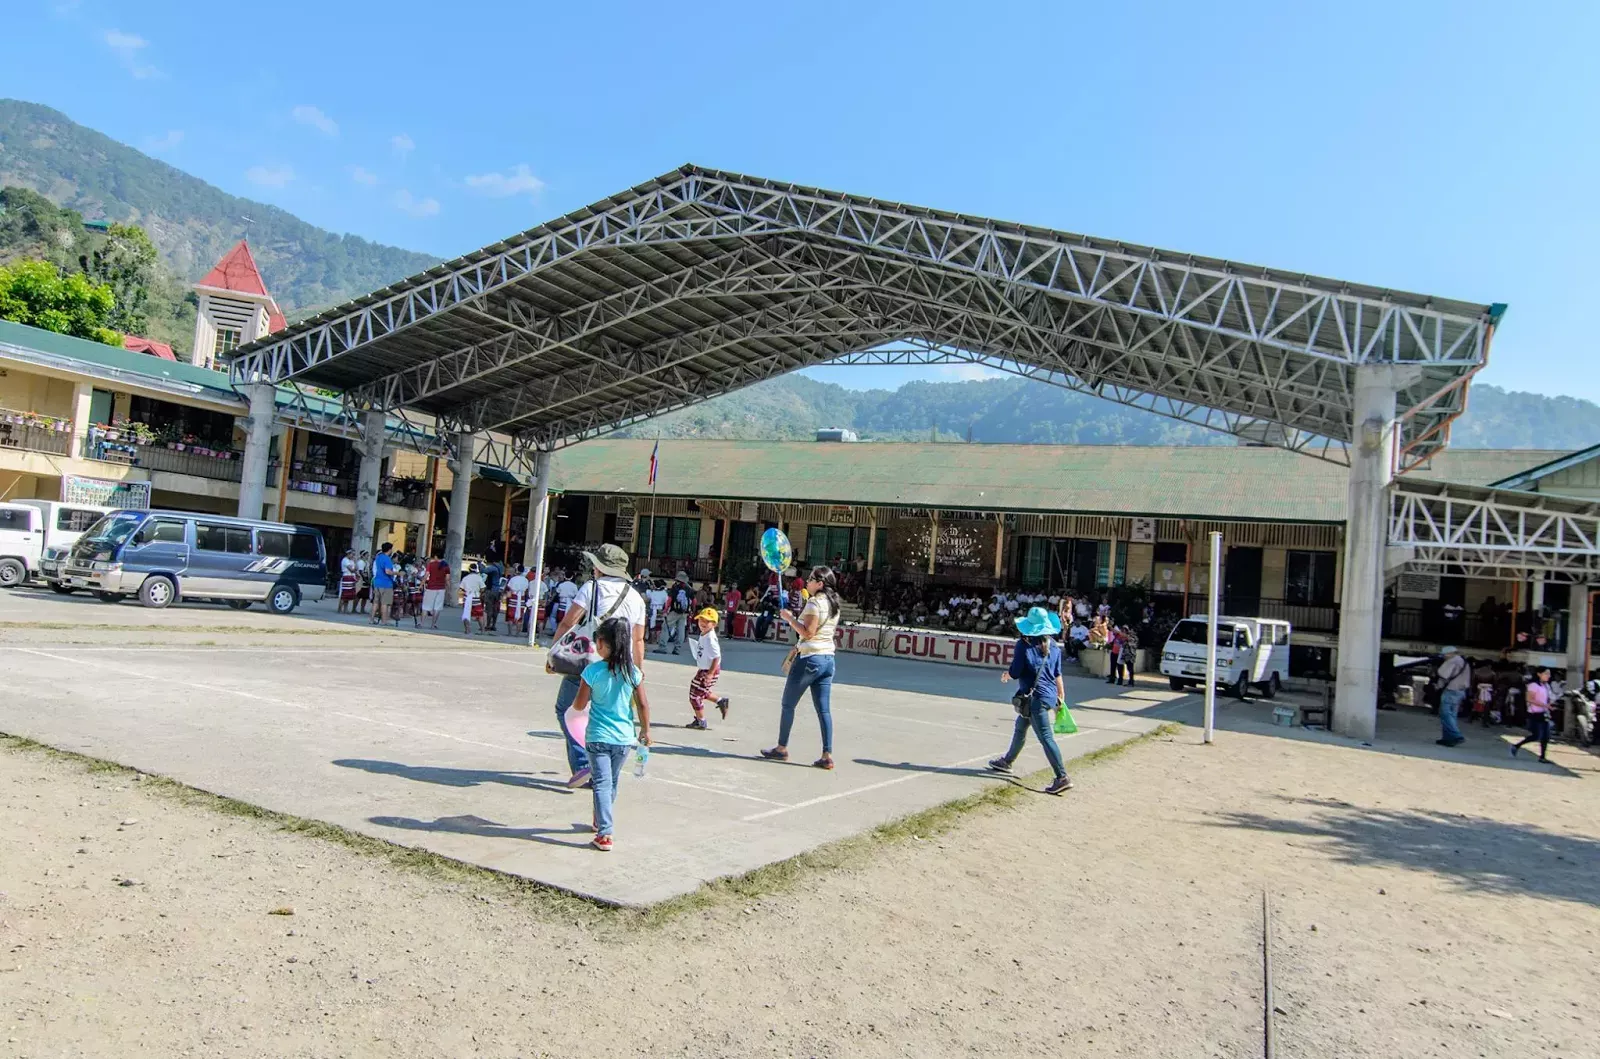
(1418, 586)
(1144, 531)
(959, 546)
(627, 519)
(841, 516)
(106, 492)
(961, 649)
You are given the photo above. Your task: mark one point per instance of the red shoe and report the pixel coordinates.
(602, 843)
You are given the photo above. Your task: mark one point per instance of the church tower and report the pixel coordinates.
(235, 308)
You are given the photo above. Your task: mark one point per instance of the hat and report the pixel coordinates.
(1038, 622)
(709, 614)
(683, 575)
(1447, 650)
(609, 560)
(644, 573)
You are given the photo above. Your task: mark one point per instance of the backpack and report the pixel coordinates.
(679, 602)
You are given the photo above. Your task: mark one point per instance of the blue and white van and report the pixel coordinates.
(165, 556)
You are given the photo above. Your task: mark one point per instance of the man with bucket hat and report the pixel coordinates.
(609, 594)
(1454, 677)
(1036, 666)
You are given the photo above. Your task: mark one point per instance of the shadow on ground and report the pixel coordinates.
(1478, 853)
(578, 834)
(447, 777)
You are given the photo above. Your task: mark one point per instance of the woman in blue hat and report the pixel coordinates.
(1036, 666)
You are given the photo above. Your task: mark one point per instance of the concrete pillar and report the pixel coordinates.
(370, 449)
(1579, 618)
(455, 534)
(263, 398)
(82, 401)
(533, 537)
(1372, 459)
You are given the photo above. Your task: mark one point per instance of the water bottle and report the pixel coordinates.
(641, 759)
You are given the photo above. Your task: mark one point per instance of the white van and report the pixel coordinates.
(21, 543)
(63, 524)
(1250, 651)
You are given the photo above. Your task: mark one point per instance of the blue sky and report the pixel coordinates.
(1444, 148)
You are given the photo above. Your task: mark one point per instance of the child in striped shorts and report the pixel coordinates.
(707, 653)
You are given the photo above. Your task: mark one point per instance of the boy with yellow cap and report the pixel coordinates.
(707, 651)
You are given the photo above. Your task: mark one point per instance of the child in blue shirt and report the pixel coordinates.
(611, 690)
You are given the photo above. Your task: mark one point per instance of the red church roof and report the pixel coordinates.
(136, 344)
(237, 272)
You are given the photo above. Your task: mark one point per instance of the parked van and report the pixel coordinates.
(63, 525)
(21, 543)
(165, 556)
(1250, 651)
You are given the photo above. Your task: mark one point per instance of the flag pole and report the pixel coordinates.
(655, 480)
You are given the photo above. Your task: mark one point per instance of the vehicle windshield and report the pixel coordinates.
(1189, 630)
(110, 531)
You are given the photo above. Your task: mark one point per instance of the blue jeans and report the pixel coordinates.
(1042, 724)
(814, 672)
(607, 760)
(577, 758)
(1449, 707)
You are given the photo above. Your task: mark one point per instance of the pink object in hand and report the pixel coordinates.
(577, 724)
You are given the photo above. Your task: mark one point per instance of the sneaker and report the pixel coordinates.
(699, 724)
(601, 843)
(722, 708)
(1449, 742)
(578, 778)
(1059, 786)
(1000, 765)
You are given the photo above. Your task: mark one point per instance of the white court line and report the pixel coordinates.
(525, 752)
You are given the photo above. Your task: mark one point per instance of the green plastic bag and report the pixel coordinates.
(1065, 725)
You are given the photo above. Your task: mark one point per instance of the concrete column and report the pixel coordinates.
(455, 534)
(1579, 617)
(1372, 459)
(370, 449)
(533, 537)
(263, 398)
(82, 401)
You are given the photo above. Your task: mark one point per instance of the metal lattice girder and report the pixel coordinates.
(1445, 525)
(487, 337)
(340, 417)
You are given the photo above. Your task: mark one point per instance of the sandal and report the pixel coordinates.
(823, 763)
(775, 754)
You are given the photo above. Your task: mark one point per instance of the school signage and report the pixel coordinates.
(104, 492)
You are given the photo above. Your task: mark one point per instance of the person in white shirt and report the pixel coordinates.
(657, 600)
(707, 651)
(565, 591)
(609, 594)
(471, 600)
(517, 603)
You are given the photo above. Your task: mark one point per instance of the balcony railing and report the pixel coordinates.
(31, 432)
(314, 478)
(404, 492)
(200, 461)
(1308, 617)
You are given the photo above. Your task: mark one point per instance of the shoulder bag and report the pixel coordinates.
(572, 654)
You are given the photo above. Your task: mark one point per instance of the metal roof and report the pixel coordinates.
(1195, 481)
(701, 282)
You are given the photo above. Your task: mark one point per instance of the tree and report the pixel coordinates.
(38, 294)
(128, 264)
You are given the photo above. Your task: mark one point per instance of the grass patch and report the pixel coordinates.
(845, 854)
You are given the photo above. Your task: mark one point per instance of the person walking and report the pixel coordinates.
(1127, 654)
(493, 583)
(471, 587)
(1036, 667)
(435, 582)
(813, 664)
(611, 690)
(607, 595)
(383, 584)
(707, 652)
(364, 582)
(1538, 700)
(677, 614)
(516, 601)
(1453, 678)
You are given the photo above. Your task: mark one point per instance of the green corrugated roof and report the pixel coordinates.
(215, 383)
(1195, 481)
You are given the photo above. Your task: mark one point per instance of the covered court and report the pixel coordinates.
(701, 282)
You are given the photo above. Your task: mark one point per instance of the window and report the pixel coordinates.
(1170, 552)
(306, 546)
(162, 530)
(12, 518)
(1280, 635)
(1308, 578)
(76, 519)
(272, 542)
(1241, 637)
(675, 538)
(1035, 560)
(1191, 630)
(214, 538)
(227, 341)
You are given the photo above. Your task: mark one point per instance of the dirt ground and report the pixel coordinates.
(1421, 908)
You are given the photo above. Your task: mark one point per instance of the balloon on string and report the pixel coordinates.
(776, 552)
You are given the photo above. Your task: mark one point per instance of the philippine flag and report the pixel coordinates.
(654, 452)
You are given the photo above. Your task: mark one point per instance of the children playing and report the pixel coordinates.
(611, 689)
(707, 653)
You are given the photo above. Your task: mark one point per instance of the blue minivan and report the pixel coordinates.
(165, 556)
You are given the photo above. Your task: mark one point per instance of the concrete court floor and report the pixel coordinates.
(450, 743)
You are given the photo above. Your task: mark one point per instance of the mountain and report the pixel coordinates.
(1022, 411)
(191, 223)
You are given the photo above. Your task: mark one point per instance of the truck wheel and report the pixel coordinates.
(1179, 685)
(1270, 689)
(1241, 687)
(158, 592)
(282, 599)
(65, 590)
(12, 573)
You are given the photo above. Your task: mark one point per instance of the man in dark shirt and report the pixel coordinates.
(493, 582)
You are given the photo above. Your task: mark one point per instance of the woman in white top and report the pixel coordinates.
(813, 667)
